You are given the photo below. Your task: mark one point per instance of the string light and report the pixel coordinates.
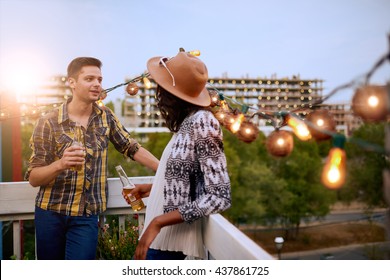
(195, 52)
(132, 89)
(334, 170)
(223, 111)
(371, 103)
(235, 126)
(280, 143)
(321, 124)
(248, 132)
(214, 98)
(100, 103)
(147, 82)
(237, 121)
(298, 126)
(103, 95)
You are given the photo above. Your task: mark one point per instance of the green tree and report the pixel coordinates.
(247, 172)
(153, 142)
(26, 132)
(304, 197)
(365, 166)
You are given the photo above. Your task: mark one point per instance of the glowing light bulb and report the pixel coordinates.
(220, 116)
(320, 122)
(333, 173)
(100, 103)
(103, 95)
(132, 89)
(147, 82)
(373, 101)
(323, 125)
(280, 143)
(195, 52)
(248, 132)
(299, 127)
(223, 111)
(237, 123)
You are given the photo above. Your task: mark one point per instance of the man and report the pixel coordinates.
(73, 178)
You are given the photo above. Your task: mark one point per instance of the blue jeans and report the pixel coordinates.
(153, 254)
(60, 237)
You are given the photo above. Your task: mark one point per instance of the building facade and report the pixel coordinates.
(260, 94)
(140, 113)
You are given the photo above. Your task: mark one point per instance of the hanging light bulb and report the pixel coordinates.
(147, 82)
(322, 124)
(214, 98)
(230, 118)
(132, 89)
(235, 126)
(299, 127)
(248, 132)
(195, 52)
(371, 103)
(238, 119)
(280, 143)
(334, 171)
(223, 112)
(100, 103)
(103, 94)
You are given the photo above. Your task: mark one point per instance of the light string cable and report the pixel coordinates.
(273, 116)
(366, 77)
(134, 80)
(264, 114)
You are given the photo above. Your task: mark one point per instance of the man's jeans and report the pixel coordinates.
(60, 237)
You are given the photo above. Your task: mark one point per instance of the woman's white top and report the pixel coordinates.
(184, 237)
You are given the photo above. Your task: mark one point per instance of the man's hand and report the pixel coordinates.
(73, 156)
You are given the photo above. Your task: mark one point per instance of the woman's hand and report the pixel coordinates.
(142, 190)
(154, 228)
(147, 238)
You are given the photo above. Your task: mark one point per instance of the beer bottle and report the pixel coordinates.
(77, 141)
(135, 201)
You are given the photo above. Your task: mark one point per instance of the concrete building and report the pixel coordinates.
(139, 113)
(260, 94)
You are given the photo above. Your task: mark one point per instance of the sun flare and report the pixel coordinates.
(22, 73)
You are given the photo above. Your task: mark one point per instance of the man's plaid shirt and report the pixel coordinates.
(76, 193)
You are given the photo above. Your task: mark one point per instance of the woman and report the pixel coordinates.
(192, 180)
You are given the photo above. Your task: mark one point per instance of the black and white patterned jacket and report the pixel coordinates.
(196, 177)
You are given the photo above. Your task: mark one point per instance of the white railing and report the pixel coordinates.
(223, 241)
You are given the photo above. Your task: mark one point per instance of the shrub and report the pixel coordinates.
(118, 242)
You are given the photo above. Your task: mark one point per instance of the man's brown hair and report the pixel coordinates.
(76, 64)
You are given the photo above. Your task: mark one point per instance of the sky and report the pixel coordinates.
(334, 40)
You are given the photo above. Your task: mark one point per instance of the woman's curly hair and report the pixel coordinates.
(173, 109)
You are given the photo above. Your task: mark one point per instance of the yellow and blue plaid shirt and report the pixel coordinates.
(75, 193)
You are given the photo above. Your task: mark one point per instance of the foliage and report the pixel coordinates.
(365, 167)
(117, 242)
(156, 142)
(110, 105)
(153, 142)
(245, 168)
(26, 132)
(303, 196)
